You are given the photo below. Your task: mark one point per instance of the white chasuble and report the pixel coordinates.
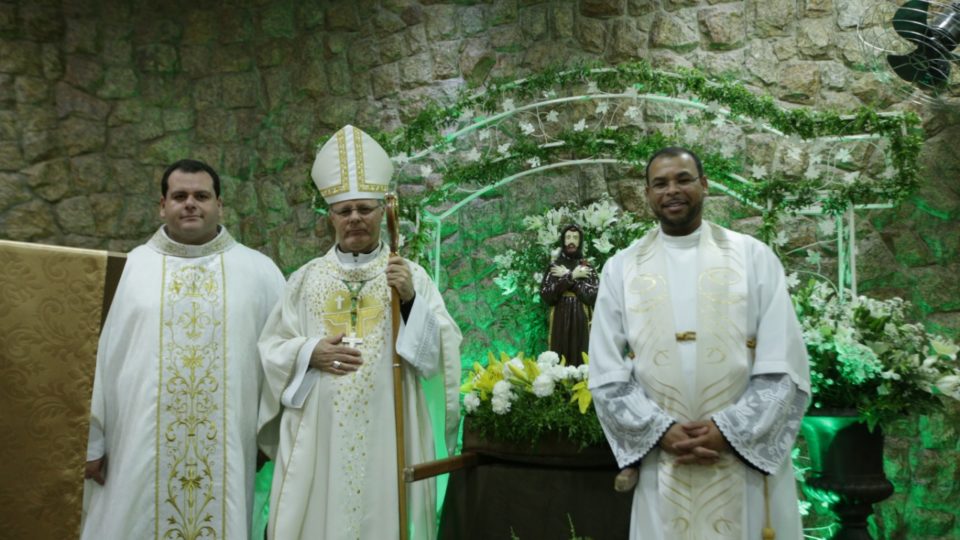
(336, 459)
(177, 372)
(696, 502)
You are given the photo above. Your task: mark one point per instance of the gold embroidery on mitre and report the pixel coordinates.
(344, 184)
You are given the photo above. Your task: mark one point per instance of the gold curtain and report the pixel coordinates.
(51, 308)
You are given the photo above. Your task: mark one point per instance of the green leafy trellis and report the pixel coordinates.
(439, 137)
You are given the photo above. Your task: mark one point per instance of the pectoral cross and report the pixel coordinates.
(352, 340)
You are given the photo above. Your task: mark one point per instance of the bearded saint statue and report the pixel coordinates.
(569, 286)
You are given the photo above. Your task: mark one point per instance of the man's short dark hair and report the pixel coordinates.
(673, 151)
(189, 166)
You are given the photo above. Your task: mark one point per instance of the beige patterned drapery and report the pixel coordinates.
(52, 304)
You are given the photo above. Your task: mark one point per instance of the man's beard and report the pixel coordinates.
(681, 221)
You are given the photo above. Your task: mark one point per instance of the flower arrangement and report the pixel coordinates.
(519, 399)
(866, 355)
(518, 272)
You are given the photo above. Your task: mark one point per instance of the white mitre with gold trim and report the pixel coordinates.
(351, 165)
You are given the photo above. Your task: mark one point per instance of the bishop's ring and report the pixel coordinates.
(336, 364)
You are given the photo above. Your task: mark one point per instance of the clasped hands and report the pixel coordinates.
(580, 272)
(699, 443)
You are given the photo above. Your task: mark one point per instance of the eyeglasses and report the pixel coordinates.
(363, 210)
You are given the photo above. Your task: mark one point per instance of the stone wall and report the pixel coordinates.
(97, 96)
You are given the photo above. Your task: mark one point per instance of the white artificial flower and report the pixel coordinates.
(527, 128)
(843, 155)
(827, 226)
(592, 88)
(632, 112)
(794, 153)
(471, 402)
(401, 158)
(543, 385)
(534, 162)
(426, 170)
(728, 150)
(550, 94)
(945, 348)
(548, 358)
(500, 405)
(850, 177)
(484, 134)
(553, 116)
(467, 114)
(571, 372)
(602, 244)
(505, 259)
(888, 173)
(781, 239)
(758, 171)
(792, 280)
(813, 257)
(504, 148)
(508, 105)
(816, 159)
(584, 370)
(602, 108)
(950, 386)
(811, 173)
(581, 125)
(473, 155)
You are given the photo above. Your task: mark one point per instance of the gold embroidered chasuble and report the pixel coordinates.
(336, 461)
(695, 502)
(177, 371)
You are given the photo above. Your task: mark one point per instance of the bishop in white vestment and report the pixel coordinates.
(174, 410)
(699, 372)
(327, 352)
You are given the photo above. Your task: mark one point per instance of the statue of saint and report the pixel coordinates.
(569, 286)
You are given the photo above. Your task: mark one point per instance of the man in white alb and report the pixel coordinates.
(173, 419)
(327, 351)
(698, 370)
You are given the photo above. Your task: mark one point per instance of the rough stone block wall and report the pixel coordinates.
(97, 96)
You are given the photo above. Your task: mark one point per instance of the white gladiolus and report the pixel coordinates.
(543, 385)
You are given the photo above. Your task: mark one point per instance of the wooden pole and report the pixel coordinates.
(393, 233)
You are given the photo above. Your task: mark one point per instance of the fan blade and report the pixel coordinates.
(931, 72)
(910, 21)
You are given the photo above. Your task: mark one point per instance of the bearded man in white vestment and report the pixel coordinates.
(698, 370)
(172, 450)
(327, 351)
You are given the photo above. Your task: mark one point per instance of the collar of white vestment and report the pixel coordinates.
(357, 259)
(161, 243)
(685, 241)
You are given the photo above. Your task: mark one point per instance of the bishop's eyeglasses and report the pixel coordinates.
(363, 209)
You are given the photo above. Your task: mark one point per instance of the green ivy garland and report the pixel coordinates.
(425, 134)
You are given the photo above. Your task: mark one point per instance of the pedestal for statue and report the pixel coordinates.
(846, 468)
(534, 491)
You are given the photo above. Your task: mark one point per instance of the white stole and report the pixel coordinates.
(695, 501)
